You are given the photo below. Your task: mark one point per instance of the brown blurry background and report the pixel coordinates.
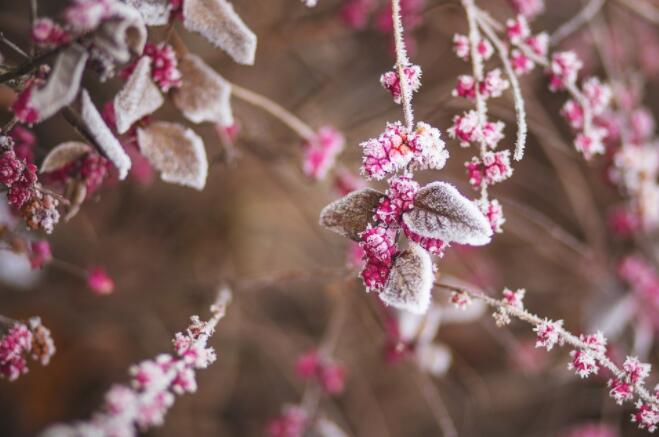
(255, 227)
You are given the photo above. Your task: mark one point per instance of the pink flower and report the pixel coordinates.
(563, 70)
(623, 222)
(291, 423)
(493, 84)
(494, 167)
(466, 87)
(528, 8)
(465, 128)
(40, 253)
(378, 243)
(514, 298)
(332, 378)
(573, 113)
(620, 391)
(391, 82)
(548, 333)
(22, 109)
(99, 281)
(539, 43)
(320, 152)
(11, 168)
(47, 33)
(646, 416)
(521, 63)
(164, 66)
(23, 143)
(598, 95)
(642, 124)
(388, 153)
(13, 346)
(22, 190)
(493, 212)
(434, 246)
(399, 198)
(375, 275)
(590, 142)
(517, 29)
(94, 170)
(461, 46)
(307, 365)
(635, 370)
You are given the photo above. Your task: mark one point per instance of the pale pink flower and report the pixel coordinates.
(514, 298)
(517, 29)
(47, 33)
(493, 84)
(321, 151)
(99, 281)
(590, 142)
(548, 334)
(563, 70)
(521, 63)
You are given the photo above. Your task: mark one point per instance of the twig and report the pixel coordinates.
(402, 61)
(274, 109)
(583, 17)
(13, 46)
(642, 9)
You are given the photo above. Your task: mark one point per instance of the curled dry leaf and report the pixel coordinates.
(154, 12)
(410, 281)
(103, 136)
(350, 215)
(64, 154)
(218, 22)
(63, 83)
(440, 211)
(138, 98)
(176, 151)
(123, 34)
(204, 95)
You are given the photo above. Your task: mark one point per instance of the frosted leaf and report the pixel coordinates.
(63, 83)
(103, 136)
(176, 151)
(138, 98)
(350, 215)
(440, 211)
(154, 12)
(410, 281)
(123, 34)
(434, 358)
(204, 95)
(64, 154)
(218, 22)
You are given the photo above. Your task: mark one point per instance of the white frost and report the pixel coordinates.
(138, 98)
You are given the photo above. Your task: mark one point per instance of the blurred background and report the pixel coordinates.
(254, 227)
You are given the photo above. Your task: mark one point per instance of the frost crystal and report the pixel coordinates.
(138, 98)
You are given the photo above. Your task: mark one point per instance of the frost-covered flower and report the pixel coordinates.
(434, 246)
(493, 212)
(517, 29)
(494, 167)
(391, 82)
(164, 66)
(521, 63)
(620, 391)
(598, 95)
(462, 47)
(399, 198)
(13, 348)
(321, 151)
(539, 43)
(646, 416)
(465, 128)
(563, 70)
(11, 168)
(548, 333)
(635, 370)
(291, 423)
(573, 113)
(493, 84)
(22, 109)
(590, 142)
(514, 298)
(378, 243)
(466, 87)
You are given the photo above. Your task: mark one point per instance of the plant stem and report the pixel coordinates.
(402, 61)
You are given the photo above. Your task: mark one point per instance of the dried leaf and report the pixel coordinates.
(154, 12)
(204, 95)
(64, 154)
(219, 23)
(123, 34)
(138, 98)
(103, 136)
(63, 83)
(410, 281)
(440, 211)
(176, 151)
(350, 215)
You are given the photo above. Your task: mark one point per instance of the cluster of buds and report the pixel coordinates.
(512, 299)
(22, 340)
(164, 66)
(585, 360)
(321, 151)
(25, 193)
(391, 82)
(327, 373)
(586, 104)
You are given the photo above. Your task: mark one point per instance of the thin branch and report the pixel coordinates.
(642, 9)
(402, 61)
(518, 99)
(13, 46)
(575, 23)
(298, 126)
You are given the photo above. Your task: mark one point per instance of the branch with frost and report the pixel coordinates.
(588, 356)
(155, 382)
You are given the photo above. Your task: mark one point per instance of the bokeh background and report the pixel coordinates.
(255, 228)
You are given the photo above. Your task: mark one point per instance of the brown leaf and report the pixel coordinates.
(350, 215)
(219, 23)
(410, 281)
(176, 151)
(63, 83)
(64, 154)
(138, 98)
(204, 95)
(103, 136)
(154, 12)
(440, 211)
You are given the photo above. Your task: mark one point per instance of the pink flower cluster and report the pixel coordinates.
(461, 47)
(22, 339)
(154, 383)
(47, 33)
(396, 149)
(327, 373)
(321, 151)
(585, 361)
(291, 423)
(585, 106)
(164, 66)
(19, 177)
(492, 85)
(492, 168)
(23, 111)
(40, 253)
(391, 82)
(548, 334)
